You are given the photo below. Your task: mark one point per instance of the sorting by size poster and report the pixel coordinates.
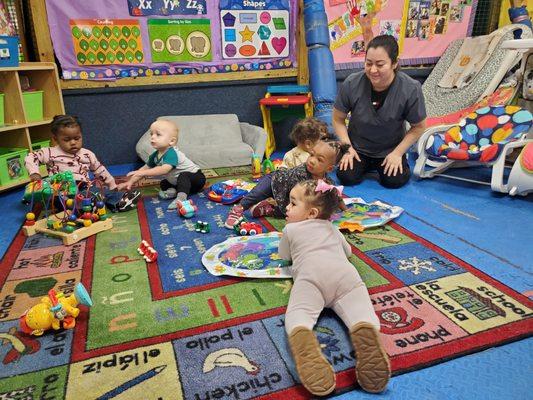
(257, 29)
(106, 41)
(174, 40)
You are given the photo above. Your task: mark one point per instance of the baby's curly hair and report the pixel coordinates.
(61, 121)
(308, 129)
(340, 148)
(326, 202)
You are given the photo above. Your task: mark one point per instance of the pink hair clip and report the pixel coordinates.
(324, 187)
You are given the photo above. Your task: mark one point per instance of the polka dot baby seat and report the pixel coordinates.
(481, 135)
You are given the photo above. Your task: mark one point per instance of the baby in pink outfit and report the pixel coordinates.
(69, 155)
(324, 277)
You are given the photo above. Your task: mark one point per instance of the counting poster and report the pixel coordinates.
(254, 33)
(106, 41)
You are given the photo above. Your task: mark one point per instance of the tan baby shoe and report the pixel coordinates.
(372, 366)
(315, 372)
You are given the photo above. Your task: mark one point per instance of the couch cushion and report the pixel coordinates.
(214, 156)
(214, 129)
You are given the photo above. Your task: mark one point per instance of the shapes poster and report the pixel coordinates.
(106, 41)
(174, 40)
(140, 8)
(254, 31)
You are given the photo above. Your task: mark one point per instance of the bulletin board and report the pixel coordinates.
(105, 40)
(424, 29)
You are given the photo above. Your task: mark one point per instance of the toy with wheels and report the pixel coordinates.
(248, 228)
(228, 192)
(186, 208)
(55, 311)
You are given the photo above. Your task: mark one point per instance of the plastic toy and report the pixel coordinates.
(44, 189)
(248, 228)
(267, 167)
(202, 227)
(256, 167)
(148, 252)
(226, 193)
(83, 212)
(55, 311)
(186, 208)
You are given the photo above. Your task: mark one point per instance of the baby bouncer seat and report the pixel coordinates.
(484, 137)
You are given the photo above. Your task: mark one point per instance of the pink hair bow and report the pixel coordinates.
(324, 187)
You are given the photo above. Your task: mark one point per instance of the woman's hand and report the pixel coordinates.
(393, 164)
(346, 161)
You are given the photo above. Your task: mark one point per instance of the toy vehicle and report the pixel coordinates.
(248, 228)
(55, 311)
(186, 208)
(202, 227)
(226, 194)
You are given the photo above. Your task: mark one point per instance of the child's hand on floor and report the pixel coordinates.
(35, 177)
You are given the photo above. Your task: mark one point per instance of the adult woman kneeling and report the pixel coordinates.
(380, 100)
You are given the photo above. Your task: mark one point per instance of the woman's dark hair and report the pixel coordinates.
(61, 121)
(308, 129)
(389, 44)
(326, 202)
(340, 148)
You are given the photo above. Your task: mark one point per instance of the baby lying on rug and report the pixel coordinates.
(309, 239)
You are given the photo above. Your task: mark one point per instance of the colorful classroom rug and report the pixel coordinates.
(171, 330)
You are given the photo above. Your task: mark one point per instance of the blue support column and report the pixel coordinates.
(322, 78)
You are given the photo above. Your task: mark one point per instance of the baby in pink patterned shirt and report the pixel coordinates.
(69, 155)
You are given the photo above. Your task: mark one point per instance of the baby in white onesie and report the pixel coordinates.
(324, 277)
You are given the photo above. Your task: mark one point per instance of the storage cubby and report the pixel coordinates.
(21, 129)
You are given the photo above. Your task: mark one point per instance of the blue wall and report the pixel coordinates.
(114, 119)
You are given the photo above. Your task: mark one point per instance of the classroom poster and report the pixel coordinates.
(180, 39)
(259, 29)
(423, 28)
(104, 41)
(112, 39)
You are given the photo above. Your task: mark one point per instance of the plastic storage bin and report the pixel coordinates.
(33, 105)
(39, 145)
(2, 109)
(12, 168)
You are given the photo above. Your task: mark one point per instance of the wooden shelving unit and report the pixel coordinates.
(18, 131)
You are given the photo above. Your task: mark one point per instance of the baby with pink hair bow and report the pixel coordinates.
(324, 277)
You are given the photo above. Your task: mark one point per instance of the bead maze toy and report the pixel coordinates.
(55, 311)
(84, 213)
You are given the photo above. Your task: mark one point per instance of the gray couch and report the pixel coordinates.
(213, 140)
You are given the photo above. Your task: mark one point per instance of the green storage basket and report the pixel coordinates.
(33, 105)
(12, 168)
(39, 145)
(2, 109)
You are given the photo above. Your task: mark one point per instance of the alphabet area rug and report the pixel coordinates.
(170, 329)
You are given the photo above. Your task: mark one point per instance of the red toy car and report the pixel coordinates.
(248, 228)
